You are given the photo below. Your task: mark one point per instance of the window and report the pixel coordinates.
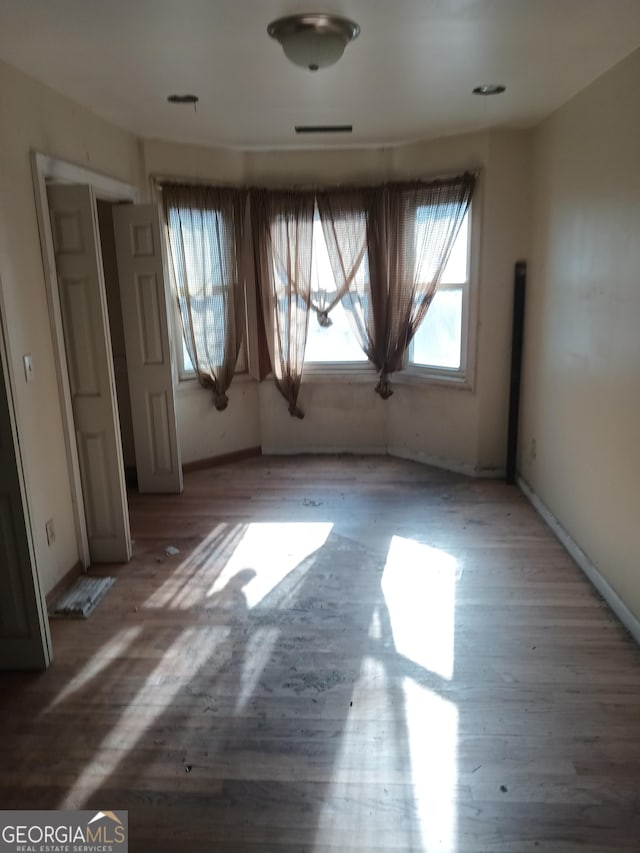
(336, 343)
(204, 255)
(438, 347)
(205, 243)
(440, 341)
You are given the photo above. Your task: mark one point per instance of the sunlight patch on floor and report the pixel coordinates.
(257, 655)
(366, 798)
(419, 585)
(193, 574)
(116, 647)
(177, 666)
(266, 554)
(432, 731)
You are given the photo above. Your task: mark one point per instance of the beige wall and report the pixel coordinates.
(204, 432)
(344, 416)
(34, 117)
(461, 429)
(582, 342)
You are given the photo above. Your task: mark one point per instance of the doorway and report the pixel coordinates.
(108, 310)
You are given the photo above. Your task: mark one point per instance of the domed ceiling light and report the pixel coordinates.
(313, 40)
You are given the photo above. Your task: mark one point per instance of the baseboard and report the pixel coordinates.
(63, 584)
(223, 459)
(321, 450)
(631, 623)
(467, 469)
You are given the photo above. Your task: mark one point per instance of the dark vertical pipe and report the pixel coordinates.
(519, 286)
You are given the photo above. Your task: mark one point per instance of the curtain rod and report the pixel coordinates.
(158, 180)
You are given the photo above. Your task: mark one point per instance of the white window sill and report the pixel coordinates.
(189, 382)
(346, 372)
(350, 373)
(414, 375)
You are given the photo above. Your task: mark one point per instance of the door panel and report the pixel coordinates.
(144, 308)
(90, 366)
(24, 628)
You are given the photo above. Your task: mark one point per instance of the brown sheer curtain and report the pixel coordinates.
(323, 301)
(206, 234)
(348, 216)
(282, 226)
(422, 223)
(409, 229)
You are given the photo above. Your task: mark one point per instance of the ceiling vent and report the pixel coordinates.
(324, 128)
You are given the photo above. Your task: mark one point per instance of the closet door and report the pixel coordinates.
(144, 298)
(85, 321)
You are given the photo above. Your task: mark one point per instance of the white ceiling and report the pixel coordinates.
(408, 76)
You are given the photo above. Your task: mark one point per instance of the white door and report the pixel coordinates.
(145, 315)
(85, 322)
(24, 628)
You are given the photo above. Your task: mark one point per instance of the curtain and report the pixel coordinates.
(282, 225)
(206, 246)
(337, 214)
(422, 222)
(409, 230)
(347, 216)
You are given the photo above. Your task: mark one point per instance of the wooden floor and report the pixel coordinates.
(346, 654)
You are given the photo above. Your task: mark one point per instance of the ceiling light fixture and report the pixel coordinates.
(313, 40)
(490, 89)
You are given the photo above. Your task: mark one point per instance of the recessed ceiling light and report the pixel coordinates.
(489, 89)
(183, 99)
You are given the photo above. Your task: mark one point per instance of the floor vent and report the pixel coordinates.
(83, 597)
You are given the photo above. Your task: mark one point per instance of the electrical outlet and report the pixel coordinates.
(51, 532)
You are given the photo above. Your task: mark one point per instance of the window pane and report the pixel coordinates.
(456, 270)
(206, 337)
(187, 364)
(336, 342)
(437, 225)
(332, 343)
(437, 343)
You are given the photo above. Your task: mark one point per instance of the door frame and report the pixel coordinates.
(45, 168)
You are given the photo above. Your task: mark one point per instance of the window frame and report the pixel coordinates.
(463, 376)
